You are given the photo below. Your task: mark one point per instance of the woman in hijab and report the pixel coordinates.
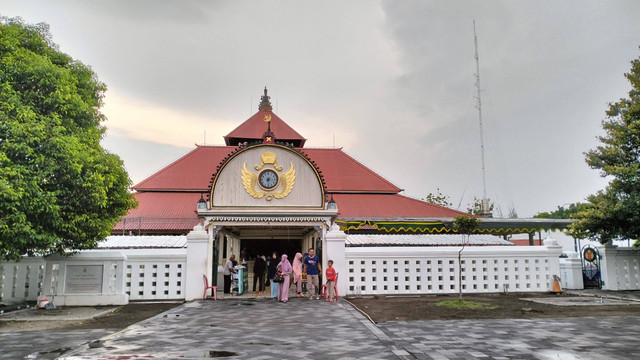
(297, 273)
(285, 268)
(271, 272)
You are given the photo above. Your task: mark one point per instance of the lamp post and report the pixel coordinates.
(331, 205)
(202, 204)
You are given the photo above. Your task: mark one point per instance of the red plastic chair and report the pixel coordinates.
(207, 287)
(325, 290)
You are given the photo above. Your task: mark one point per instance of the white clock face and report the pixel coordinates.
(268, 179)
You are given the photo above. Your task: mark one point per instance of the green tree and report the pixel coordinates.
(614, 213)
(59, 189)
(464, 225)
(562, 212)
(438, 199)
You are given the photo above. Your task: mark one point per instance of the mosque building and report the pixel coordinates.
(264, 191)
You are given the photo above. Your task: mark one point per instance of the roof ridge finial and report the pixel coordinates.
(265, 103)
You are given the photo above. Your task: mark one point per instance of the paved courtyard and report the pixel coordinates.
(602, 338)
(303, 329)
(247, 329)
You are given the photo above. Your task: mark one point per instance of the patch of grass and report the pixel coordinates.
(457, 304)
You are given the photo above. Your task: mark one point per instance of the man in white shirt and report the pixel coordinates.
(227, 271)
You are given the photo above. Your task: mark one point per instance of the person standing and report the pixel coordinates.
(331, 280)
(272, 270)
(312, 267)
(259, 267)
(227, 271)
(285, 269)
(297, 273)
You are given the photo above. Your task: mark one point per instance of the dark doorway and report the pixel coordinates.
(591, 276)
(266, 247)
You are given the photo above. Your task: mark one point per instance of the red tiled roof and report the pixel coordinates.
(388, 206)
(162, 211)
(175, 211)
(525, 242)
(342, 173)
(193, 172)
(255, 127)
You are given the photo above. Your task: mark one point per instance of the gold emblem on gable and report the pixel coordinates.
(268, 180)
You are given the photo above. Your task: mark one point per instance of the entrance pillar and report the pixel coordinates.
(335, 250)
(197, 257)
(609, 267)
(571, 272)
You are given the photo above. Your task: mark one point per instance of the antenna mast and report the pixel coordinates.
(484, 205)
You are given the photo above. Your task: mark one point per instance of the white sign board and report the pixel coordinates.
(83, 279)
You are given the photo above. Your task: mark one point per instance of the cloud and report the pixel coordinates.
(394, 81)
(131, 118)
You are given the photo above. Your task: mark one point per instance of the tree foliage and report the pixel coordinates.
(614, 213)
(59, 189)
(464, 225)
(562, 212)
(438, 199)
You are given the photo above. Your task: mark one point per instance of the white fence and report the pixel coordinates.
(434, 270)
(21, 281)
(620, 267)
(140, 274)
(157, 274)
(161, 274)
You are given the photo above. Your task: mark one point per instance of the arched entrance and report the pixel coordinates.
(235, 236)
(265, 197)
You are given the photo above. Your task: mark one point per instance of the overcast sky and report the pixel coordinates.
(391, 81)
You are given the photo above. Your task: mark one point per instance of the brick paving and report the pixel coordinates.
(48, 344)
(609, 338)
(266, 329)
(256, 329)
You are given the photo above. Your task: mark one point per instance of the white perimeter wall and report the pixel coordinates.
(164, 274)
(620, 267)
(434, 270)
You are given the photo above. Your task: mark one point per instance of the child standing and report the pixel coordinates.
(331, 280)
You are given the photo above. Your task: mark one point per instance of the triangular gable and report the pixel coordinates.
(254, 128)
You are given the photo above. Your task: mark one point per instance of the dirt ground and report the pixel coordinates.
(508, 306)
(121, 318)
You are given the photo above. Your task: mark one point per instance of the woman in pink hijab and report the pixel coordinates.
(284, 267)
(297, 273)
